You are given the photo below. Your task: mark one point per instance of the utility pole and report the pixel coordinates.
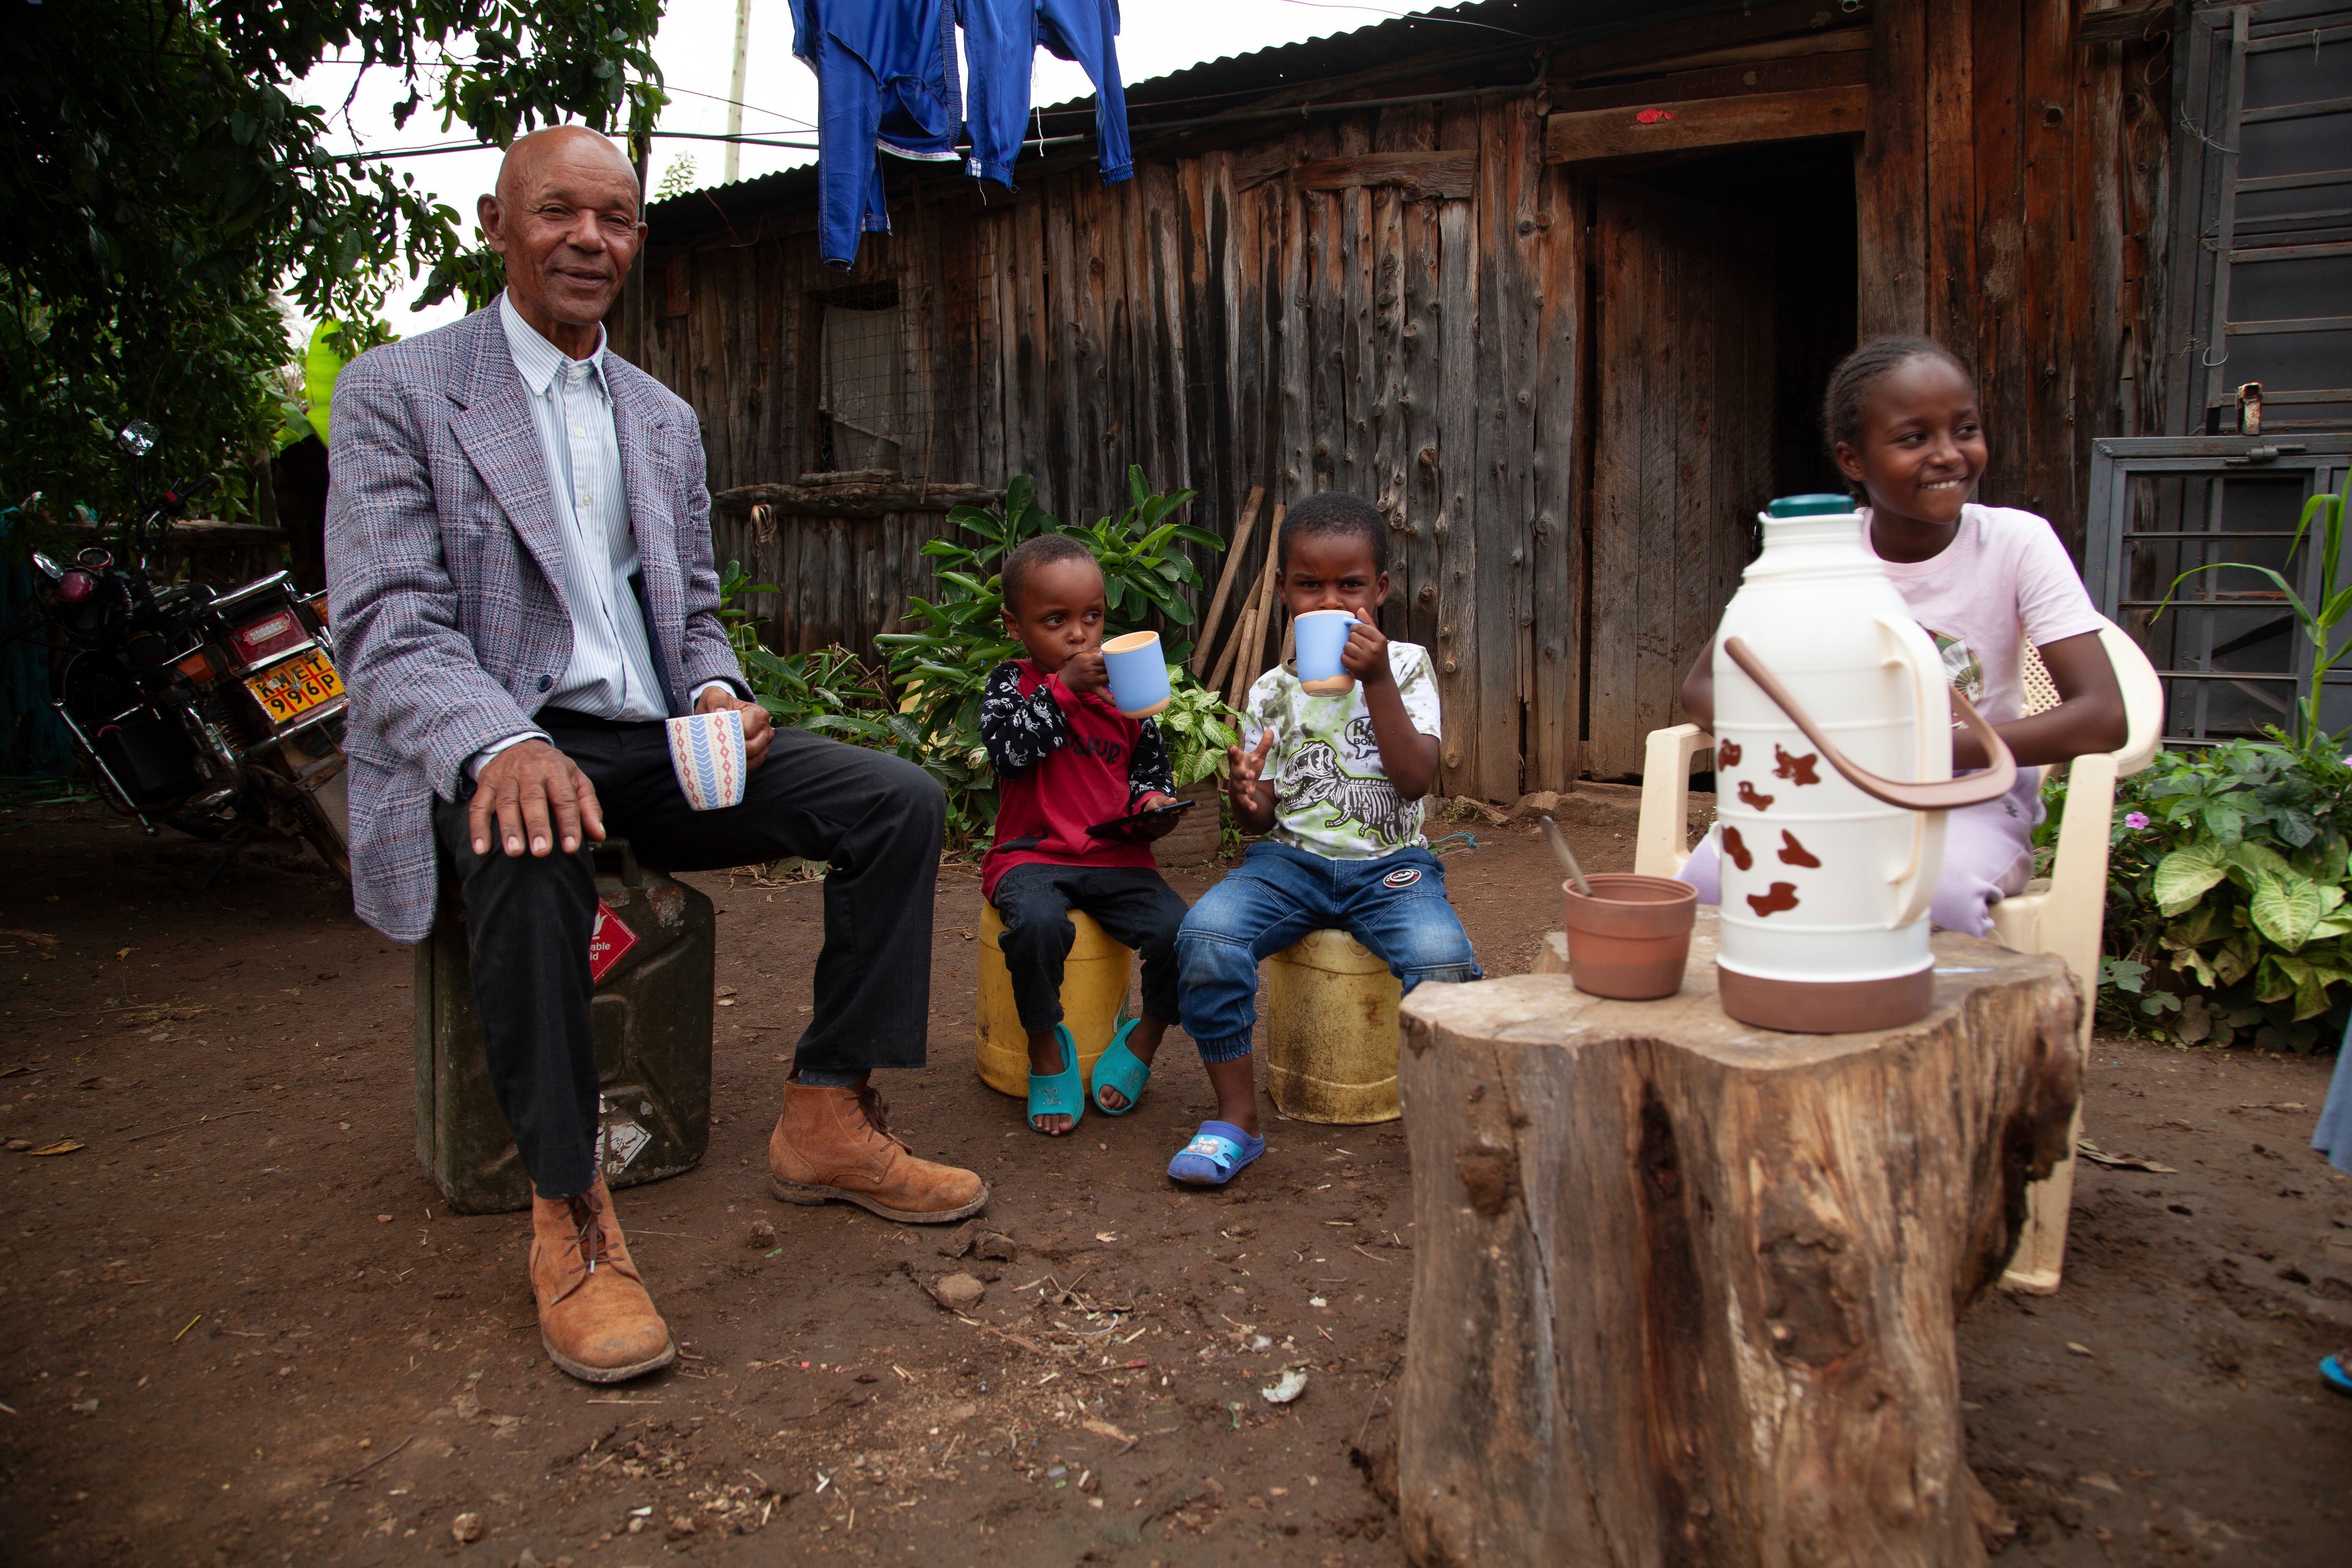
(735, 91)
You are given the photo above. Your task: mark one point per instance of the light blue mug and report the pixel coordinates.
(1322, 633)
(1138, 676)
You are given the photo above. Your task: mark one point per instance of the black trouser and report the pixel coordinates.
(875, 819)
(1135, 907)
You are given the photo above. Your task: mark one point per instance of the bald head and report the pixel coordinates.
(565, 218)
(528, 157)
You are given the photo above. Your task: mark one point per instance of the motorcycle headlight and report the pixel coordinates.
(76, 586)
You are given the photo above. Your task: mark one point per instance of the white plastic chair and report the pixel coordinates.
(2060, 914)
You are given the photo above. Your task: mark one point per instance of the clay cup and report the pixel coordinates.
(1631, 938)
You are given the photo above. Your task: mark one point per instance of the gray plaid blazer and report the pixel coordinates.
(442, 571)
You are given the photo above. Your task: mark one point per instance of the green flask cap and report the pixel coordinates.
(1817, 505)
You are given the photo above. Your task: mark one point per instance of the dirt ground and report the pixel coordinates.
(242, 1329)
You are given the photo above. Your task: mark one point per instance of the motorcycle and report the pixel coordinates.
(219, 714)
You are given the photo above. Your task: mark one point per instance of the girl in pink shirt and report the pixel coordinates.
(1903, 425)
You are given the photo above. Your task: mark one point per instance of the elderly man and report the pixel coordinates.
(518, 548)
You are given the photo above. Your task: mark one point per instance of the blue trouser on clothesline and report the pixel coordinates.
(1396, 906)
(886, 74)
(1000, 44)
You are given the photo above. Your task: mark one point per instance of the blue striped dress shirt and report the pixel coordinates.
(612, 671)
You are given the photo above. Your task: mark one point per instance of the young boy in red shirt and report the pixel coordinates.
(1067, 760)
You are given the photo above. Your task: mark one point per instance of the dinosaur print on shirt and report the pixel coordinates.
(1331, 795)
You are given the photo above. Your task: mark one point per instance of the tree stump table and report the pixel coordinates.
(1685, 1291)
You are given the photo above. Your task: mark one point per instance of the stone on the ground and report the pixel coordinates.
(958, 1292)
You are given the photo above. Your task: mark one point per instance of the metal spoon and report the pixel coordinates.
(1567, 857)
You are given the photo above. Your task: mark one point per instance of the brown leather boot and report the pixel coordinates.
(594, 1317)
(836, 1143)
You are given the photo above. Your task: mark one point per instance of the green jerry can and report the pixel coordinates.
(652, 957)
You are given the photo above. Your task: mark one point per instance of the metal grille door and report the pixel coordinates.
(2227, 648)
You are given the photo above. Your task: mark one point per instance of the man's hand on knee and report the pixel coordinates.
(758, 728)
(539, 796)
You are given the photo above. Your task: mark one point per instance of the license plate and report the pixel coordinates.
(300, 684)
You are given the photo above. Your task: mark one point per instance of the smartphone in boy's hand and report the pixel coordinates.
(1154, 816)
(1160, 826)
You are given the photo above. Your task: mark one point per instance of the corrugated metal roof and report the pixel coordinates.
(1438, 31)
(1484, 34)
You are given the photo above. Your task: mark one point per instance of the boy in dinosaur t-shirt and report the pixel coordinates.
(1338, 781)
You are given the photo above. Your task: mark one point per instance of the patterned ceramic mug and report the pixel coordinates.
(707, 750)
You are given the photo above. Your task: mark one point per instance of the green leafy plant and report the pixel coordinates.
(929, 711)
(1198, 727)
(830, 691)
(165, 176)
(677, 179)
(1143, 573)
(2317, 621)
(940, 667)
(2227, 882)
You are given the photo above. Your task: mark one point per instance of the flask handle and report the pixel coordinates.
(1937, 795)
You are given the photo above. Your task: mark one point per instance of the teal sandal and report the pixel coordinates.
(1120, 1068)
(1060, 1094)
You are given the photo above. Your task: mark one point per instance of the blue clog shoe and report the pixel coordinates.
(1215, 1156)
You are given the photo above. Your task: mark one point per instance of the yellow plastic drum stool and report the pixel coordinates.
(1331, 1031)
(1094, 1003)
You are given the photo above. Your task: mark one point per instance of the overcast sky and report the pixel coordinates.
(695, 49)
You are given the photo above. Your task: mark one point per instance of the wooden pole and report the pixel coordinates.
(1225, 579)
(1245, 628)
(1249, 643)
(734, 154)
(1241, 611)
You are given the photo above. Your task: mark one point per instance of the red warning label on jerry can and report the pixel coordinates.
(607, 942)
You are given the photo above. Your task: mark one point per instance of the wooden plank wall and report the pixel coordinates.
(2012, 220)
(1222, 325)
(1685, 326)
(838, 579)
(1219, 327)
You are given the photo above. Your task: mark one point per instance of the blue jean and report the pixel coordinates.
(1000, 47)
(882, 71)
(1395, 906)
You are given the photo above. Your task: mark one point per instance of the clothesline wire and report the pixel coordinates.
(748, 139)
(666, 87)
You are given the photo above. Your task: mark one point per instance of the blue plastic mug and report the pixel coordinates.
(1322, 633)
(1138, 676)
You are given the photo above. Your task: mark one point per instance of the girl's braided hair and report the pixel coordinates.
(1865, 368)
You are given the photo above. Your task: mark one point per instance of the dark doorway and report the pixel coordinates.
(1800, 194)
(1724, 293)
